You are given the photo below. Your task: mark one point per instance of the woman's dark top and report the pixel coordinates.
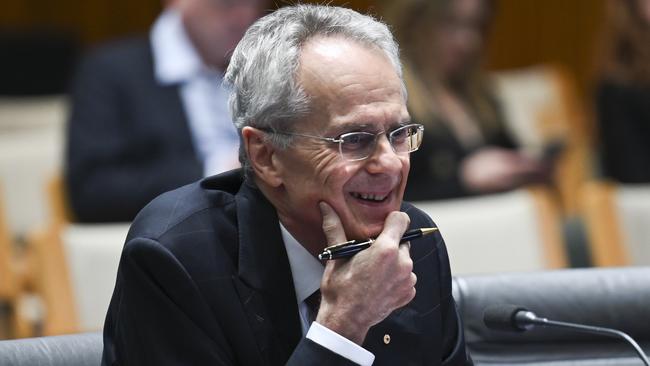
(435, 167)
(624, 128)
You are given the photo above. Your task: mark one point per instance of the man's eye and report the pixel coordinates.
(353, 138)
(400, 133)
(356, 140)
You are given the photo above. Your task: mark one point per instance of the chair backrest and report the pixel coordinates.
(32, 113)
(541, 105)
(93, 254)
(512, 231)
(7, 278)
(14, 313)
(606, 297)
(31, 150)
(84, 349)
(617, 218)
(76, 268)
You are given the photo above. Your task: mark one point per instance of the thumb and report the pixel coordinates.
(332, 226)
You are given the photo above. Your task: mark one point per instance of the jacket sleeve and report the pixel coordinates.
(158, 317)
(313, 354)
(453, 342)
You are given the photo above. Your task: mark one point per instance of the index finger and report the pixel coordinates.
(395, 225)
(332, 226)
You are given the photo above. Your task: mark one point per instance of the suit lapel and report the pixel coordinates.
(265, 286)
(265, 282)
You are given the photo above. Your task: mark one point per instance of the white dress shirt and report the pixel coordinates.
(307, 273)
(203, 96)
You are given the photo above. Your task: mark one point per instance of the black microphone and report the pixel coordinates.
(519, 319)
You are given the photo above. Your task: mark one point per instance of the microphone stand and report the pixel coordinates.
(529, 319)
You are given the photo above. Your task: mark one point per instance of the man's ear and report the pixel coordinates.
(260, 154)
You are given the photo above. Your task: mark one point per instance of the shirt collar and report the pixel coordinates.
(307, 271)
(174, 56)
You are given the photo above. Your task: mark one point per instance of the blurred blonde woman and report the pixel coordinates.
(467, 148)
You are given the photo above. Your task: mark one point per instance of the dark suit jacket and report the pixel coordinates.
(204, 279)
(128, 136)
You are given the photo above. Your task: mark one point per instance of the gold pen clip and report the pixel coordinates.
(339, 245)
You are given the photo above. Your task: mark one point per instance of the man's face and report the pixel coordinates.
(352, 88)
(216, 26)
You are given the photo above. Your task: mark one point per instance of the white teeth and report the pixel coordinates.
(369, 196)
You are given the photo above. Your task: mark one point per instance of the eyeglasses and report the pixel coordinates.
(355, 146)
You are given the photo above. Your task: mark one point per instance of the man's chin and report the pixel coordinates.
(368, 219)
(365, 231)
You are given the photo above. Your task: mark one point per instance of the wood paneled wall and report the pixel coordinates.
(91, 21)
(525, 32)
(566, 32)
(95, 21)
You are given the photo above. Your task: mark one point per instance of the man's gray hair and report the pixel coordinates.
(262, 73)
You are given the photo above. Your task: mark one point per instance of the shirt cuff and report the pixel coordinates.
(339, 344)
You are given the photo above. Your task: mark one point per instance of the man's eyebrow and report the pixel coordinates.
(365, 126)
(351, 127)
(396, 125)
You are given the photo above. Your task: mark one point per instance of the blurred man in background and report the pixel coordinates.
(150, 114)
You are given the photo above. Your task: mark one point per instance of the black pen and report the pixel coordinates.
(352, 247)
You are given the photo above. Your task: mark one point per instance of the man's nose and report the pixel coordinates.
(384, 159)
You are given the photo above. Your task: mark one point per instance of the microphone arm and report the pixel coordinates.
(527, 319)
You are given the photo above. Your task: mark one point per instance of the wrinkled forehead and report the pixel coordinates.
(337, 51)
(347, 81)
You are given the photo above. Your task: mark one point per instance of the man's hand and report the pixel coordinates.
(361, 291)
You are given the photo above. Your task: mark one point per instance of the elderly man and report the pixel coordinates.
(224, 271)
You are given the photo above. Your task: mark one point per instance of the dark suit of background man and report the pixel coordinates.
(150, 114)
(222, 271)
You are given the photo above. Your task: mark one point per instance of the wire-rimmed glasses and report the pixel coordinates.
(355, 146)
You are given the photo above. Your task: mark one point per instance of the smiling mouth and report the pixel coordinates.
(369, 197)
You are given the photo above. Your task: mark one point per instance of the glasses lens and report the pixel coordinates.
(406, 139)
(356, 145)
